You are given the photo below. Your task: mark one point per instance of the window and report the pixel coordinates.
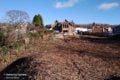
(65, 31)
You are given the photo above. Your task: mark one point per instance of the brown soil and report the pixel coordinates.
(69, 59)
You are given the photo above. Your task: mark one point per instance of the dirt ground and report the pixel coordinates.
(68, 59)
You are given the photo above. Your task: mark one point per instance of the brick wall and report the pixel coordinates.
(97, 29)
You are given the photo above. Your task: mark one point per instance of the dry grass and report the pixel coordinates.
(71, 59)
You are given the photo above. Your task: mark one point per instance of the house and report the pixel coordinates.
(92, 28)
(106, 29)
(66, 27)
(70, 28)
(114, 30)
(97, 29)
(100, 28)
(49, 27)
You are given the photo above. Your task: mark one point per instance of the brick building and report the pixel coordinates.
(100, 28)
(65, 27)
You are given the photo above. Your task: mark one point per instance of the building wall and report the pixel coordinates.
(68, 29)
(71, 30)
(97, 29)
(106, 29)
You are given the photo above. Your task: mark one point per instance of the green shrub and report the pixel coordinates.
(33, 34)
(4, 50)
(2, 38)
(4, 53)
(17, 46)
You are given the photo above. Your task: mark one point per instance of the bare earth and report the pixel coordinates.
(69, 59)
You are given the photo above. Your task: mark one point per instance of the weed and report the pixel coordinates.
(4, 52)
(33, 34)
(17, 46)
(2, 37)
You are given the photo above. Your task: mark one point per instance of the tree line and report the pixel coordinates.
(15, 17)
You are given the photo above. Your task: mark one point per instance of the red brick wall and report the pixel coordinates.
(97, 29)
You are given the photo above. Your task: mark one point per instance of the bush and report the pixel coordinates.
(33, 34)
(4, 52)
(17, 46)
(13, 37)
(2, 38)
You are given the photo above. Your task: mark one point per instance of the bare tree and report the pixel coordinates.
(16, 17)
(18, 21)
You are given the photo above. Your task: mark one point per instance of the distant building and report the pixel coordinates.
(100, 28)
(114, 30)
(49, 27)
(106, 29)
(66, 27)
(70, 28)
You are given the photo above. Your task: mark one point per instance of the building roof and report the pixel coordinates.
(64, 23)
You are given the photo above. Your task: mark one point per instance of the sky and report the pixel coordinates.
(79, 11)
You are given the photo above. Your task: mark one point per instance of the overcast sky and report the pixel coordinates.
(80, 11)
